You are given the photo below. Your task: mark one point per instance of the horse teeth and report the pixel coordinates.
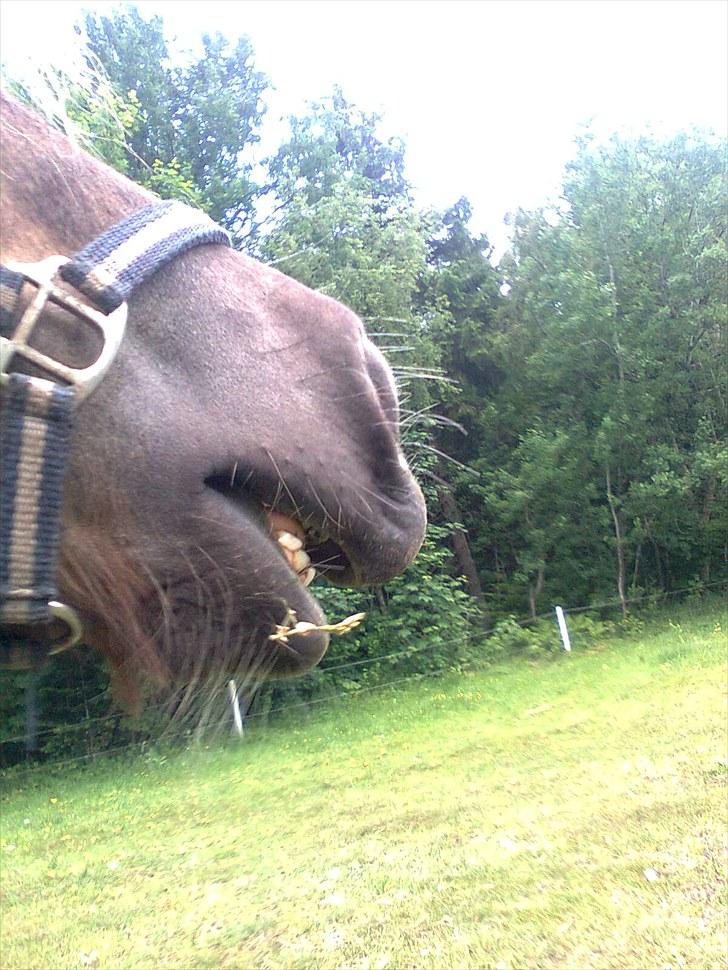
(297, 558)
(289, 541)
(300, 561)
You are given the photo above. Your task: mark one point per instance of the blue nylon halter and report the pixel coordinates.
(37, 414)
(109, 268)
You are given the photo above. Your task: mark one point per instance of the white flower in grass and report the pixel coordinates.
(334, 938)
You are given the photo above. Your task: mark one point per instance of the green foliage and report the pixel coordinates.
(422, 622)
(171, 181)
(85, 106)
(512, 816)
(424, 617)
(194, 125)
(462, 282)
(345, 222)
(599, 444)
(511, 636)
(75, 715)
(12, 715)
(335, 142)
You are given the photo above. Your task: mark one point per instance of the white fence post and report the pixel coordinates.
(237, 717)
(563, 629)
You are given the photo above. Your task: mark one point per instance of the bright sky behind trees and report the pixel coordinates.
(488, 95)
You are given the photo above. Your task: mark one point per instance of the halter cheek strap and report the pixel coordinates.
(37, 413)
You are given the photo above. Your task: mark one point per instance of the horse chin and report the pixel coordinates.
(201, 612)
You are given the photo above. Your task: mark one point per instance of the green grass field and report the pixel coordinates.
(564, 812)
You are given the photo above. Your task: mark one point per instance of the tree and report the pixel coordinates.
(346, 224)
(464, 287)
(612, 337)
(194, 125)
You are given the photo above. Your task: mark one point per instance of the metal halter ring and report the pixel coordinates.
(59, 611)
(111, 326)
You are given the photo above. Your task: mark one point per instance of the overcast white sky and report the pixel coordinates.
(487, 94)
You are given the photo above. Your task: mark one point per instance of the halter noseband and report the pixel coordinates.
(37, 412)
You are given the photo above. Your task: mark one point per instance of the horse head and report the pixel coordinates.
(245, 435)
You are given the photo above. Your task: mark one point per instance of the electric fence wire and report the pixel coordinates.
(169, 736)
(396, 655)
(403, 654)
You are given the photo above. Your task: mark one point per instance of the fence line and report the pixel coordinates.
(635, 599)
(187, 732)
(399, 654)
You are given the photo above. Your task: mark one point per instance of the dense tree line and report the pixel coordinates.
(565, 410)
(599, 423)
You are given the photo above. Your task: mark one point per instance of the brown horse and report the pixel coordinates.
(246, 433)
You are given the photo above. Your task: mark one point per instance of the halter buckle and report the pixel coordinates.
(111, 327)
(60, 611)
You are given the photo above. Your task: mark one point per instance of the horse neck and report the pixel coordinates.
(58, 198)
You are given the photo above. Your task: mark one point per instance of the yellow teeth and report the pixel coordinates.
(300, 560)
(296, 556)
(288, 541)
